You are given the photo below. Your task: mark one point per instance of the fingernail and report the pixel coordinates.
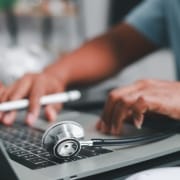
(30, 119)
(138, 124)
(53, 115)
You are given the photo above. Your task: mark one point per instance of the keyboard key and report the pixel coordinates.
(37, 160)
(39, 151)
(29, 156)
(46, 155)
(18, 153)
(31, 164)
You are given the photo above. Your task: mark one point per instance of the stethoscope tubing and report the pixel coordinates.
(56, 141)
(132, 140)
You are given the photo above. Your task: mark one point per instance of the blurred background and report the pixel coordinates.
(34, 32)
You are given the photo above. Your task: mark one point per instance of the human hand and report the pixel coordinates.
(133, 101)
(33, 87)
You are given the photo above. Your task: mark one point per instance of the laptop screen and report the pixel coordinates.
(6, 171)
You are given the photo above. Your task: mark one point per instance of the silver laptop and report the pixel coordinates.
(106, 159)
(7, 172)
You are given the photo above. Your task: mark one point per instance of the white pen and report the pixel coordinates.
(49, 99)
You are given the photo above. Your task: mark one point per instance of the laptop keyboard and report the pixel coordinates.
(23, 145)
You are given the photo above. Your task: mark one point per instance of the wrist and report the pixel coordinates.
(60, 76)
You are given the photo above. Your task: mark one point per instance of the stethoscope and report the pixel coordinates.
(66, 138)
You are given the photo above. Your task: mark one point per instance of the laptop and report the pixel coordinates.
(31, 161)
(7, 172)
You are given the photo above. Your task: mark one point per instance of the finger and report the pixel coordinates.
(34, 104)
(2, 90)
(120, 106)
(121, 113)
(9, 118)
(108, 111)
(33, 112)
(139, 122)
(11, 93)
(149, 102)
(139, 109)
(98, 124)
(126, 110)
(102, 127)
(20, 89)
(115, 96)
(51, 111)
(5, 94)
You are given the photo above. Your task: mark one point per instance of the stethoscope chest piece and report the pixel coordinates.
(62, 139)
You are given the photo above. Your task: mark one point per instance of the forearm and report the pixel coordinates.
(94, 61)
(100, 58)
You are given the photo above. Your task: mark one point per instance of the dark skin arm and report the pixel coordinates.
(102, 57)
(96, 60)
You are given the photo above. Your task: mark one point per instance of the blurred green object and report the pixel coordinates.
(6, 4)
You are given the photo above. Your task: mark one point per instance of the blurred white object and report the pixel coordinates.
(56, 8)
(48, 99)
(157, 174)
(16, 61)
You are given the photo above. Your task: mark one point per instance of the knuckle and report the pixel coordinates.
(34, 98)
(113, 95)
(144, 83)
(123, 101)
(11, 94)
(34, 106)
(126, 99)
(142, 99)
(12, 97)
